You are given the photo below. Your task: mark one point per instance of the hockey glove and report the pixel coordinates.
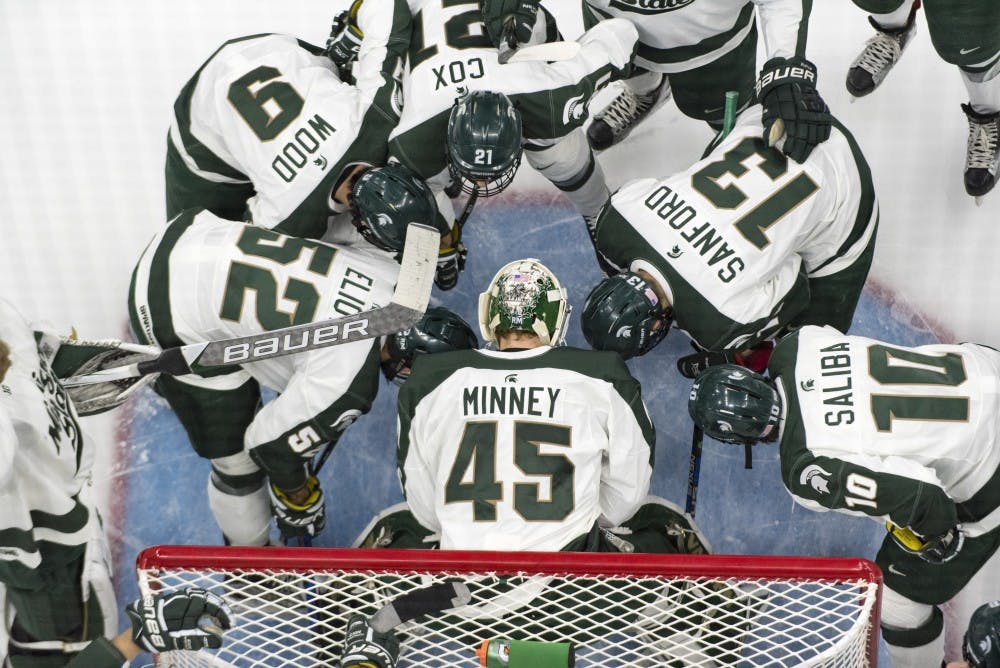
(755, 359)
(451, 261)
(938, 549)
(190, 619)
(509, 23)
(366, 648)
(305, 518)
(787, 89)
(344, 42)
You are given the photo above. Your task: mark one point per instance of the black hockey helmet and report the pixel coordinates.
(484, 142)
(384, 200)
(981, 645)
(735, 405)
(623, 313)
(439, 331)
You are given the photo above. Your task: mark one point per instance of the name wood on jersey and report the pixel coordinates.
(510, 400)
(294, 155)
(705, 239)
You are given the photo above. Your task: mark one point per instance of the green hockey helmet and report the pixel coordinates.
(981, 645)
(524, 296)
(439, 331)
(384, 200)
(484, 142)
(623, 313)
(735, 405)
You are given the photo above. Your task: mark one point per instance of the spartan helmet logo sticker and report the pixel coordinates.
(624, 332)
(383, 219)
(725, 427)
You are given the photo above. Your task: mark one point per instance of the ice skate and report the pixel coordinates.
(880, 54)
(617, 120)
(982, 152)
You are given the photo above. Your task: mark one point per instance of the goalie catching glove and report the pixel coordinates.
(344, 42)
(787, 90)
(938, 549)
(364, 647)
(191, 619)
(304, 518)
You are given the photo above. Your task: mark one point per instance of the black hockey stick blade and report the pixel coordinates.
(409, 302)
(420, 602)
(694, 471)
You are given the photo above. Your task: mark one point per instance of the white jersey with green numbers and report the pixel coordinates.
(522, 450)
(735, 237)
(203, 278)
(44, 463)
(272, 111)
(680, 35)
(450, 53)
(908, 434)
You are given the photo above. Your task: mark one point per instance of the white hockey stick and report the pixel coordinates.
(409, 301)
(546, 52)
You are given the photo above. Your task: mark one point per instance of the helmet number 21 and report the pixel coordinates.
(483, 156)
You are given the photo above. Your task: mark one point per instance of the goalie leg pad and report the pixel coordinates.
(396, 527)
(660, 526)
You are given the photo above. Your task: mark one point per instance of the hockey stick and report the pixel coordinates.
(420, 602)
(694, 471)
(545, 52)
(409, 301)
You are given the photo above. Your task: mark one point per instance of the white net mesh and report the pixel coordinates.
(617, 610)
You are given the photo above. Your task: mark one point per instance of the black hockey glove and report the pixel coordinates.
(509, 22)
(344, 42)
(692, 365)
(938, 549)
(191, 619)
(787, 89)
(306, 518)
(451, 261)
(366, 648)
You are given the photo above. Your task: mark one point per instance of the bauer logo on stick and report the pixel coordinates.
(244, 352)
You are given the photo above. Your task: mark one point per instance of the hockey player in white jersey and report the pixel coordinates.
(457, 91)
(740, 245)
(204, 278)
(55, 572)
(905, 435)
(698, 50)
(550, 448)
(266, 130)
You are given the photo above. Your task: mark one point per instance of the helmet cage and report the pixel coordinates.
(484, 143)
(525, 296)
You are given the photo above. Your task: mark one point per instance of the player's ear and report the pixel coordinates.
(4, 359)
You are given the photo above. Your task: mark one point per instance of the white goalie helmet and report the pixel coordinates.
(525, 296)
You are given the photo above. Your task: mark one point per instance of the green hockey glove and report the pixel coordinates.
(304, 518)
(451, 261)
(366, 648)
(509, 23)
(344, 42)
(787, 90)
(190, 619)
(938, 549)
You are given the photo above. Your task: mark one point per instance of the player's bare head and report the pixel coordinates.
(623, 313)
(4, 360)
(981, 646)
(439, 331)
(384, 200)
(484, 142)
(735, 405)
(524, 296)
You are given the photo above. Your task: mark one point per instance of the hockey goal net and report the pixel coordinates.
(291, 605)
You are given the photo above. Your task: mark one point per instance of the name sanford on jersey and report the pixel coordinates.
(836, 384)
(704, 238)
(505, 400)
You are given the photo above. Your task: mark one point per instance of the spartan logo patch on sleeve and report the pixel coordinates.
(812, 475)
(648, 6)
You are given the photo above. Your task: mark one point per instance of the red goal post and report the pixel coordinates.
(291, 605)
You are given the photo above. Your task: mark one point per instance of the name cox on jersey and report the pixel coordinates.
(649, 6)
(457, 72)
(704, 238)
(294, 155)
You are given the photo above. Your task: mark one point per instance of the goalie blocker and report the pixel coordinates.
(409, 301)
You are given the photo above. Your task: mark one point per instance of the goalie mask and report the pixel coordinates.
(735, 405)
(484, 142)
(384, 200)
(981, 645)
(439, 331)
(622, 313)
(524, 296)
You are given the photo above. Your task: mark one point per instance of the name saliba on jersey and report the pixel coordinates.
(703, 238)
(835, 385)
